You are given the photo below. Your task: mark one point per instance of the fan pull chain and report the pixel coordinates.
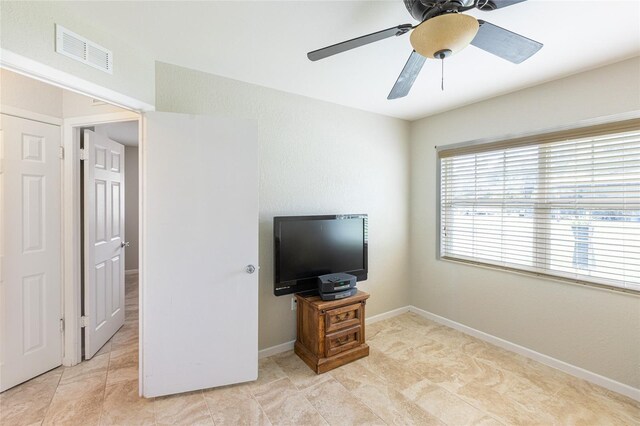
(441, 54)
(442, 73)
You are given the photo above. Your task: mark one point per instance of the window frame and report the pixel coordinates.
(593, 127)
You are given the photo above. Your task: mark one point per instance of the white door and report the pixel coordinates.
(30, 267)
(200, 234)
(103, 184)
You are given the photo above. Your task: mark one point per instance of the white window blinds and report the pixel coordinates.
(567, 205)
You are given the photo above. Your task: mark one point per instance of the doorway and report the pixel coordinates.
(109, 203)
(199, 242)
(42, 223)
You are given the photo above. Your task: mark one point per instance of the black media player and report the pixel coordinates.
(336, 286)
(338, 294)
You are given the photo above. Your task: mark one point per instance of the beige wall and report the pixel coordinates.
(30, 95)
(76, 105)
(595, 329)
(28, 29)
(302, 142)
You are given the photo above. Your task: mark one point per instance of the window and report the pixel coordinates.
(564, 204)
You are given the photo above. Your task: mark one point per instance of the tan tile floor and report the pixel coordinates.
(418, 372)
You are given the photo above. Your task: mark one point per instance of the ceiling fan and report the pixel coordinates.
(443, 31)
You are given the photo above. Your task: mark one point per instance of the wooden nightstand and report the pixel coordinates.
(330, 333)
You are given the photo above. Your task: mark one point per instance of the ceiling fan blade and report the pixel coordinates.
(504, 43)
(407, 76)
(357, 42)
(496, 4)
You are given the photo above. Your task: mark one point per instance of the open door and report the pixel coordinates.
(103, 191)
(199, 318)
(31, 254)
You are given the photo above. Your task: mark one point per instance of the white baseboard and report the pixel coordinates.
(288, 346)
(387, 315)
(275, 350)
(130, 271)
(573, 370)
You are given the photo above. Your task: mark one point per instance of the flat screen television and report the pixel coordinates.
(309, 246)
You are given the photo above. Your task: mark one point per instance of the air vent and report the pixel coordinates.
(79, 48)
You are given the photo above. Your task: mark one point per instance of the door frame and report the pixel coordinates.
(48, 74)
(72, 226)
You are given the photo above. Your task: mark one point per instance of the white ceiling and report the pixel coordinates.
(125, 132)
(265, 43)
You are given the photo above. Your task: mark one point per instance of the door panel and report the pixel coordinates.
(117, 287)
(31, 256)
(200, 306)
(103, 231)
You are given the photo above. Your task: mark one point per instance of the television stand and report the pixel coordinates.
(330, 333)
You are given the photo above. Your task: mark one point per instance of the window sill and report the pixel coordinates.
(545, 277)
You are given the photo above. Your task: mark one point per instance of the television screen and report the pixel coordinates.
(309, 246)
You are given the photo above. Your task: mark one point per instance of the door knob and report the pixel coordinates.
(124, 244)
(250, 269)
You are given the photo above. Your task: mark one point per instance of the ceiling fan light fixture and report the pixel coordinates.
(452, 32)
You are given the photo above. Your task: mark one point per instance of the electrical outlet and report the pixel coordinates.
(294, 304)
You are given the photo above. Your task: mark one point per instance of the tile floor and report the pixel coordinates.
(418, 372)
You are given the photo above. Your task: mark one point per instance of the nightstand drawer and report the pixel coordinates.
(344, 317)
(344, 340)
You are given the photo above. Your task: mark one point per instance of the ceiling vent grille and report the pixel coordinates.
(79, 48)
